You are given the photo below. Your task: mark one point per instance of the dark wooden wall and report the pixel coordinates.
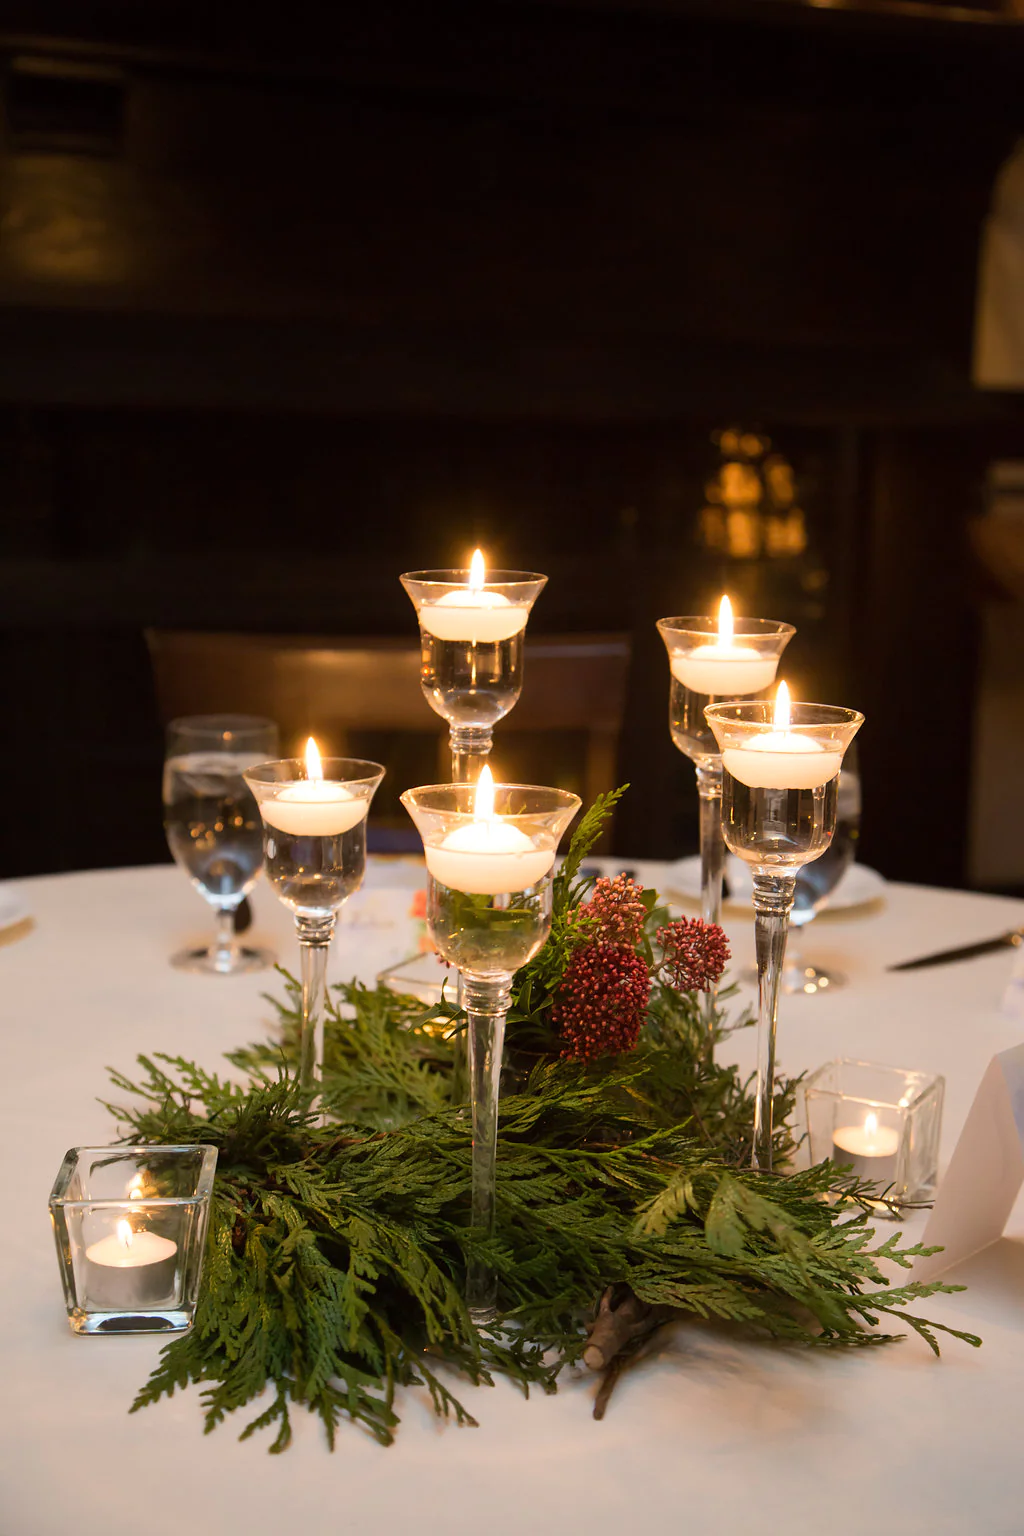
(496, 209)
(288, 306)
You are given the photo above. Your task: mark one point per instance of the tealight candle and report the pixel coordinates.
(130, 1269)
(870, 1148)
(489, 855)
(314, 806)
(782, 758)
(472, 613)
(723, 668)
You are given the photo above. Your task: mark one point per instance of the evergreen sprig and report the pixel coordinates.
(335, 1261)
(336, 1254)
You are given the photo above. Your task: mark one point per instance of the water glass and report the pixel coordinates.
(213, 826)
(816, 882)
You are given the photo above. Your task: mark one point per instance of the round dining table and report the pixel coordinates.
(708, 1433)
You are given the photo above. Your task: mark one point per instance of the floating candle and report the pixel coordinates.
(130, 1269)
(473, 613)
(782, 758)
(489, 855)
(724, 668)
(314, 806)
(870, 1148)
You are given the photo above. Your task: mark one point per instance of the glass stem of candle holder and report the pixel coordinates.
(471, 746)
(225, 943)
(486, 1002)
(712, 869)
(773, 902)
(315, 934)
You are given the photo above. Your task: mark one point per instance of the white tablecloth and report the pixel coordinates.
(713, 1435)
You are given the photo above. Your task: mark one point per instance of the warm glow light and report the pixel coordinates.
(871, 1125)
(725, 625)
(314, 769)
(124, 1233)
(781, 721)
(483, 804)
(477, 571)
(135, 1188)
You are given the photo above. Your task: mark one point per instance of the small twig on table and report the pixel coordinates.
(619, 1329)
(607, 1386)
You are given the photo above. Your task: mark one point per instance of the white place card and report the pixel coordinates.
(985, 1175)
(1013, 997)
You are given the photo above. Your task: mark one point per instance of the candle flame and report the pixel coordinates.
(782, 712)
(725, 624)
(871, 1124)
(124, 1233)
(135, 1188)
(314, 768)
(477, 571)
(483, 803)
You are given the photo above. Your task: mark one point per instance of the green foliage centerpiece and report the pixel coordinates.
(335, 1266)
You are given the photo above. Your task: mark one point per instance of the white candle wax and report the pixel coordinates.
(870, 1148)
(724, 669)
(782, 760)
(122, 1275)
(478, 616)
(314, 808)
(487, 858)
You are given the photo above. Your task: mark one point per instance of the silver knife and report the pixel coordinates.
(1014, 936)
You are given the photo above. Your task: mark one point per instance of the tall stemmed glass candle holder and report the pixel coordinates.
(709, 660)
(780, 784)
(314, 849)
(472, 625)
(490, 851)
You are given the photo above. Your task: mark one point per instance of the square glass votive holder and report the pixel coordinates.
(884, 1121)
(130, 1226)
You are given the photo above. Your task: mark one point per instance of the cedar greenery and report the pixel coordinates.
(336, 1253)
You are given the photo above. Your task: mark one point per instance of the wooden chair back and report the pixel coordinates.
(362, 697)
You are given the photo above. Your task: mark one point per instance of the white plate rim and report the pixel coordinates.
(684, 877)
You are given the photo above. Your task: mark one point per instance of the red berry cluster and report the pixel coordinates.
(602, 1000)
(693, 954)
(614, 914)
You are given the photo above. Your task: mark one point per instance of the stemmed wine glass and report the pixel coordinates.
(780, 793)
(314, 844)
(816, 882)
(213, 826)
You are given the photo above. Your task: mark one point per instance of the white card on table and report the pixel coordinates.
(986, 1172)
(1013, 997)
